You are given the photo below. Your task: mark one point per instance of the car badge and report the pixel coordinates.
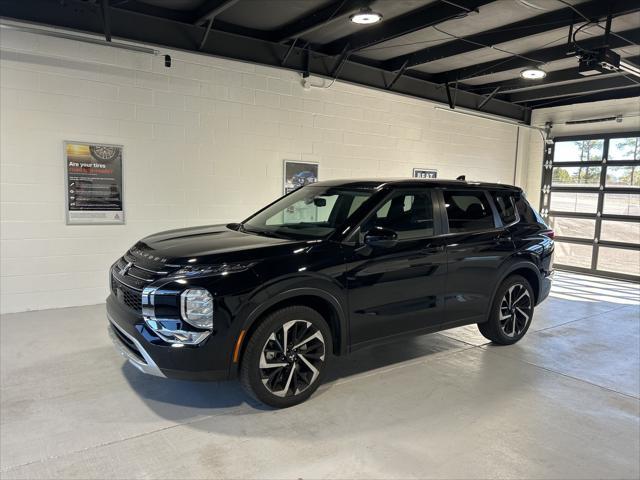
(125, 269)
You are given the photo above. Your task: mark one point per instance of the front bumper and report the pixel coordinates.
(151, 355)
(132, 350)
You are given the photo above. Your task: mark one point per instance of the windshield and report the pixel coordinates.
(309, 212)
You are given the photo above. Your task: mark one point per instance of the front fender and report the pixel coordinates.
(282, 291)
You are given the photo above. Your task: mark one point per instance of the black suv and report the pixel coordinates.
(325, 270)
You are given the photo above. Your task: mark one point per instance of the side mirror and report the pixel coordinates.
(381, 237)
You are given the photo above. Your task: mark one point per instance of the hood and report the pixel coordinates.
(210, 244)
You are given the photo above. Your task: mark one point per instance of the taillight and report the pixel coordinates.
(549, 233)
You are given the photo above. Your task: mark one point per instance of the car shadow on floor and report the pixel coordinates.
(179, 400)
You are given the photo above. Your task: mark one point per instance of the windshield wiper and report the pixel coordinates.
(258, 231)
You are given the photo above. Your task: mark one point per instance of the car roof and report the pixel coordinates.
(379, 183)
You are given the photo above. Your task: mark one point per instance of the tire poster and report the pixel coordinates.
(93, 183)
(424, 173)
(299, 174)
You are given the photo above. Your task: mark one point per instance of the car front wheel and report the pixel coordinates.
(286, 357)
(511, 312)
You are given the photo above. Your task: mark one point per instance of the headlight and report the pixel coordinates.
(196, 305)
(223, 269)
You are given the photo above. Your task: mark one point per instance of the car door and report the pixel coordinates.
(400, 288)
(477, 246)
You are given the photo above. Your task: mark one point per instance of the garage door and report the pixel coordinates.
(591, 197)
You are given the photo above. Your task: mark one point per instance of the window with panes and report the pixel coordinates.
(591, 199)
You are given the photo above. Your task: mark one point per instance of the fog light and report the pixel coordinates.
(196, 305)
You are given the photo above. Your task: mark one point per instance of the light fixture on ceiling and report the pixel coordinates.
(365, 16)
(533, 73)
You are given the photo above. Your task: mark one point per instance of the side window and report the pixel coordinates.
(506, 206)
(356, 203)
(468, 211)
(410, 215)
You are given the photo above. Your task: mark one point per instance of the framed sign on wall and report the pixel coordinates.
(425, 173)
(93, 182)
(298, 174)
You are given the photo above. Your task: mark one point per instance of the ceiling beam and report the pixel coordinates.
(106, 20)
(146, 29)
(517, 84)
(632, 93)
(212, 8)
(190, 17)
(596, 9)
(544, 55)
(156, 11)
(418, 19)
(595, 85)
(319, 18)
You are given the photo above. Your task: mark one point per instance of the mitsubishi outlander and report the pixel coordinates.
(330, 268)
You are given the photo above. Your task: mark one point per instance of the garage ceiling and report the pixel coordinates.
(463, 52)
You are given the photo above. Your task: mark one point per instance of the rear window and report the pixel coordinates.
(468, 211)
(505, 204)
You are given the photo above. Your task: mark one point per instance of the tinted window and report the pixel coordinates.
(410, 215)
(505, 205)
(467, 211)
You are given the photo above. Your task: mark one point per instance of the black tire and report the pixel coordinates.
(511, 312)
(292, 373)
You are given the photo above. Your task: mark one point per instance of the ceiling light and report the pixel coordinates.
(366, 16)
(533, 74)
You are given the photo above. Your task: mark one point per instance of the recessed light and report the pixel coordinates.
(366, 16)
(533, 74)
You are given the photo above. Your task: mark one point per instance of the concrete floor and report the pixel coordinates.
(563, 403)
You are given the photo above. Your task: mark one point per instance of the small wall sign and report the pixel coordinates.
(94, 183)
(299, 174)
(424, 173)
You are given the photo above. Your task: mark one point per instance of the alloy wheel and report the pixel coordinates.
(291, 358)
(515, 310)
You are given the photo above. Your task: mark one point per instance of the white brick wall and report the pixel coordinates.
(627, 107)
(204, 143)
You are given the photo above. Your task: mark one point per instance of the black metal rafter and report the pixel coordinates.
(397, 76)
(187, 16)
(427, 16)
(319, 18)
(516, 84)
(514, 31)
(211, 9)
(632, 92)
(545, 55)
(488, 98)
(106, 20)
(452, 105)
(206, 33)
(183, 36)
(593, 85)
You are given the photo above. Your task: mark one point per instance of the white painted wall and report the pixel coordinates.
(203, 142)
(628, 108)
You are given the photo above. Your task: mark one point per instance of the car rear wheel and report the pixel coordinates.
(286, 357)
(511, 313)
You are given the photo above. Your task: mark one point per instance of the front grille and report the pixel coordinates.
(129, 278)
(130, 297)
